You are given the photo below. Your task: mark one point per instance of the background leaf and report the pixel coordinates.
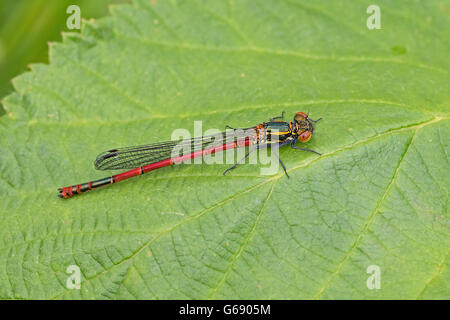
(27, 26)
(377, 196)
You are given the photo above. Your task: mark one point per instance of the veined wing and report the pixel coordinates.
(137, 156)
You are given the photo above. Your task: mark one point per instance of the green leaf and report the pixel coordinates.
(377, 196)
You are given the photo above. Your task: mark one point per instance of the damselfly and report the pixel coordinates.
(274, 133)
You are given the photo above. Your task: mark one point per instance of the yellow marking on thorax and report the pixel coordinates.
(279, 133)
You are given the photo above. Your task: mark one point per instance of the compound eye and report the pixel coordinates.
(300, 116)
(304, 136)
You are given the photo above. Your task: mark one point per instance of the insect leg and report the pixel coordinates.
(279, 117)
(237, 163)
(278, 157)
(304, 149)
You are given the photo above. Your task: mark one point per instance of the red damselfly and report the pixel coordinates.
(274, 133)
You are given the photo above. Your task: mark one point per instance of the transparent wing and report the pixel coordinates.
(137, 156)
